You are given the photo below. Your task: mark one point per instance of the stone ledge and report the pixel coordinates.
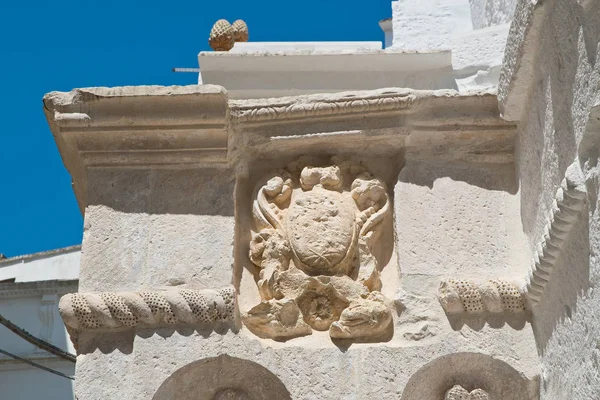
(427, 123)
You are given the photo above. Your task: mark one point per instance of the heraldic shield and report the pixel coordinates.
(314, 228)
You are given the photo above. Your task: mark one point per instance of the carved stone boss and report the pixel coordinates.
(314, 232)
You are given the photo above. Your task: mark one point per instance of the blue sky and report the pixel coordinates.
(64, 44)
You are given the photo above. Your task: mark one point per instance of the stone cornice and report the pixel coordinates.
(40, 288)
(391, 100)
(138, 126)
(197, 127)
(440, 123)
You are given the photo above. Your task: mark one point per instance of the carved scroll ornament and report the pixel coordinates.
(315, 229)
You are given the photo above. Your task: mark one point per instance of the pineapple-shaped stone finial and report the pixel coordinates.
(240, 31)
(221, 36)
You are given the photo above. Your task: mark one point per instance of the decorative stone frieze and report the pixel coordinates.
(315, 228)
(107, 310)
(494, 296)
(567, 208)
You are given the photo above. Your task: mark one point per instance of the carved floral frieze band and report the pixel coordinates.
(567, 208)
(389, 100)
(314, 232)
(494, 296)
(85, 311)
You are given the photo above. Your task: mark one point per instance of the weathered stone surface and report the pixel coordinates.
(276, 319)
(223, 378)
(315, 227)
(377, 370)
(558, 132)
(162, 221)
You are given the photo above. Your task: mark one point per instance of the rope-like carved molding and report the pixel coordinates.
(494, 296)
(108, 310)
(326, 105)
(567, 208)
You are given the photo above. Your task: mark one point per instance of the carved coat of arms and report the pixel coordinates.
(312, 242)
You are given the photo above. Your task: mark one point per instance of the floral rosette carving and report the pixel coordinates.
(314, 232)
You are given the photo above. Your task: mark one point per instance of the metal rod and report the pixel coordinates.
(186, 70)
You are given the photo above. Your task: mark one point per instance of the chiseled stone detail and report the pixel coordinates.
(315, 228)
(302, 107)
(277, 319)
(457, 392)
(85, 311)
(221, 36)
(566, 210)
(494, 296)
(240, 31)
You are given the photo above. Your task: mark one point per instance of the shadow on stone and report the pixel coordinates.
(123, 340)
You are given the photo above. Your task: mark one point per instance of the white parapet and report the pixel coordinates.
(256, 70)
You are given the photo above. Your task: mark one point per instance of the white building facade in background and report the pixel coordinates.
(30, 287)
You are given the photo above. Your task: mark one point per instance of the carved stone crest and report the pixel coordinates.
(314, 229)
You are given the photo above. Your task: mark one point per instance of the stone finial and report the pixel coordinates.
(221, 36)
(240, 31)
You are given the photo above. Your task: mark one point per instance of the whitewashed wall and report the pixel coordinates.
(474, 30)
(31, 302)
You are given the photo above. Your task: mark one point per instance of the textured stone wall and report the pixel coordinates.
(157, 228)
(558, 130)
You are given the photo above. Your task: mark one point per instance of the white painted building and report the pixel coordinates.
(30, 287)
(433, 44)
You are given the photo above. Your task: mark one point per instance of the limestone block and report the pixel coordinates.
(137, 234)
(459, 220)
